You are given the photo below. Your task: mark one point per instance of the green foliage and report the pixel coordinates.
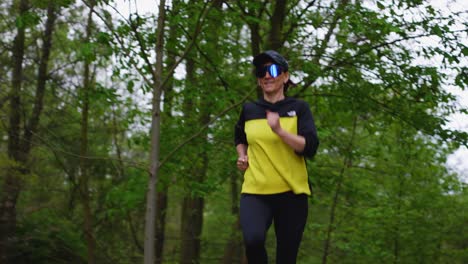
(28, 19)
(48, 237)
(376, 87)
(125, 197)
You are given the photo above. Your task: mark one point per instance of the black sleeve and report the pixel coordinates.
(239, 133)
(306, 128)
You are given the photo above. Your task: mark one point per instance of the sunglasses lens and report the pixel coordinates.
(273, 69)
(261, 72)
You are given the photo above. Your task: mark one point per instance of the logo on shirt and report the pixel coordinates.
(292, 113)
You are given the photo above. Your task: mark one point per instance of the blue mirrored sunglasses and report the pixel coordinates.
(273, 69)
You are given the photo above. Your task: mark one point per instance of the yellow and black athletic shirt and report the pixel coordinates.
(274, 167)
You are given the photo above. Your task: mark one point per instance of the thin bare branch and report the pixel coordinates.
(177, 148)
(196, 33)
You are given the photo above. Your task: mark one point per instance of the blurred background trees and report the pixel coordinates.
(77, 87)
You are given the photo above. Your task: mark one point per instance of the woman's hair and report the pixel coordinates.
(286, 86)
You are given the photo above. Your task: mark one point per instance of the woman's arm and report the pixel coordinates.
(297, 142)
(242, 160)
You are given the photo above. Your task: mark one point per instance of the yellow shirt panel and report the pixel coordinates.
(274, 167)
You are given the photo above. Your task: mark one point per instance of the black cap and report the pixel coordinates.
(271, 55)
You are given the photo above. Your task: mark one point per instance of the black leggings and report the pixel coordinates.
(287, 210)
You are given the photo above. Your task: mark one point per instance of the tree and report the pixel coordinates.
(155, 139)
(83, 184)
(381, 190)
(19, 145)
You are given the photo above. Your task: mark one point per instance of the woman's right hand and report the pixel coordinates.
(243, 163)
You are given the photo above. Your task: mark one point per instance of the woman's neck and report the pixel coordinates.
(273, 98)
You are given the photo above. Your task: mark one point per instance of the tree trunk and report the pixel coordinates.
(233, 251)
(192, 221)
(151, 198)
(162, 197)
(255, 40)
(42, 77)
(193, 205)
(84, 175)
(275, 36)
(161, 209)
(190, 243)
(331, 223)
(12, 182)
(400, 196)
(19, 149)
(396, 237)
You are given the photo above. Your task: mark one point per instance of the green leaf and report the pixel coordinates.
(464, 51)
(87, 52)
(103, 38)
(436, 30)
(130, 86)
(28, 19)
(380, 5)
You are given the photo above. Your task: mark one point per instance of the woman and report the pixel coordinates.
(273, 136)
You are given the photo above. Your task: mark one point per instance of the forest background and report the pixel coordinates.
(116, 132)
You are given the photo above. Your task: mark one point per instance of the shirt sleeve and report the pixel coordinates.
(239, 133)
(306, 128)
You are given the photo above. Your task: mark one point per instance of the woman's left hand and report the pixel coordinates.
(273, 121)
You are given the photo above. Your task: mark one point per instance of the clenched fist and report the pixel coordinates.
(243, 163)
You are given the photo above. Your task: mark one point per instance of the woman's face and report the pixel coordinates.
(272, 85)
